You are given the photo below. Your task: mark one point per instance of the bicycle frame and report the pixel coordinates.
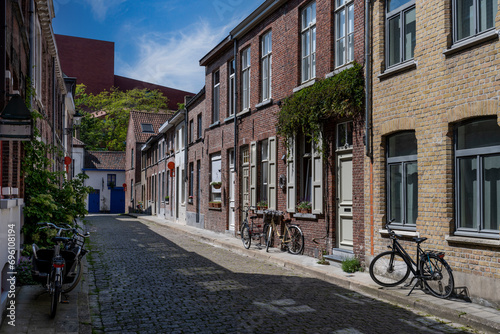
(396, 247)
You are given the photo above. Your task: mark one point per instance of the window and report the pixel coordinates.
(147, 128)
(216, 97)
(191, 179)
(266, 65)
(111, 180)
(304, 175)
(477, 179)
(344, 135)
(400, 29)
(215, 171)
(232, 88)
(308, 36)
(402, 179)
(200, 126)
(264, 170)
(472, 17)
(132, 158)
(344, 35)
(245, 176)
(245, 79)
(132, 189)
(191, 131)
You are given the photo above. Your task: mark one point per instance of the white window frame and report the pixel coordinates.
(216, 97)
(266, 65)
(215, 176)
(308, 42)
(344, 32)
(232, 88)
(245, 79)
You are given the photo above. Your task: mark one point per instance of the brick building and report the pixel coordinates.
(279, 49)
(435, 118)
(29, 66)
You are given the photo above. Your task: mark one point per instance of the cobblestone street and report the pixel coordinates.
(148, 278)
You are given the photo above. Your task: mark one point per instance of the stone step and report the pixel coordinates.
(339, 255)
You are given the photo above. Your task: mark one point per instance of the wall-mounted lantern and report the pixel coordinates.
(15, 120)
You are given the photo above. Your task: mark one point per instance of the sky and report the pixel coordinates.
(157, 41)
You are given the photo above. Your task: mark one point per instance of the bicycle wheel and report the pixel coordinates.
(295, 239)
(55, 297)
(437, 275)
(269, 237)
(246, 237)
(70, 286)
(389, 269)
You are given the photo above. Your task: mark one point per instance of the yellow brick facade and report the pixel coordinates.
(439, 89)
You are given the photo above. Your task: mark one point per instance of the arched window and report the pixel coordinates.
(477, 178)
(402, 179)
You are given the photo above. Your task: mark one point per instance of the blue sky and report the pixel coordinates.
(158, 41)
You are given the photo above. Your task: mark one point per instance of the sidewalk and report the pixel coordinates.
(478, 317)
(32, 311)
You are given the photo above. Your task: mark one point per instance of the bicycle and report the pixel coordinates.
(292, 237)
(252, 230)
(50, 266)
(430, 270)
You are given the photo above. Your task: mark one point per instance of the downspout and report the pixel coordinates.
(54, 109)
(368, 79)
(32, 52)
(3, 67)
(186, 145)
(235, 93)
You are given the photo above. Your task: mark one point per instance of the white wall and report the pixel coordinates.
(99, 180)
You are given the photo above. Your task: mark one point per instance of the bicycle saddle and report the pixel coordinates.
(253, 217)
(419, 240)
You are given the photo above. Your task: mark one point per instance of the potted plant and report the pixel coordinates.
(217, 204)
(190, 199)
(167, 199)
(262, 205)
(304, 207)
(216, 184)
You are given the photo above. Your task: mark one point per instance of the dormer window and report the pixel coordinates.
(147, 128)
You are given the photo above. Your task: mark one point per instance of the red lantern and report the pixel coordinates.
(124, 187)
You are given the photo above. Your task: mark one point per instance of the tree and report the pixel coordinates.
(110, 133)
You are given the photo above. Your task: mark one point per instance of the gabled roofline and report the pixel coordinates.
(223, 46)
(262, 12)
(176, 119)
(196, 97)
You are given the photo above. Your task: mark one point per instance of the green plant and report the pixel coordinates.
(167, 198)
(262, 203)
(351, 265)
(305, 111)
(215, 183)
(304, 205)
(23, 272)
(322, 259)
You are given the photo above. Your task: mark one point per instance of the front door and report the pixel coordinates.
(232, 188)
(94, 201)
(344, 201)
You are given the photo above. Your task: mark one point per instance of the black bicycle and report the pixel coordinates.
(252, 230)
(430, 270)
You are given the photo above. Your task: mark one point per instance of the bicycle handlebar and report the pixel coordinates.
(60, 229)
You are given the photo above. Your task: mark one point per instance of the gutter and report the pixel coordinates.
(368, 81)
(235, 92)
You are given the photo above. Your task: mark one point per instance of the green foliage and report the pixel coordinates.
(110, 133)
(23, 270)
(49, 196)
(305, 111)
(351, 265)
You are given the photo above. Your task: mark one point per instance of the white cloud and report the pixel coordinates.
(101, 7)
(172, 59)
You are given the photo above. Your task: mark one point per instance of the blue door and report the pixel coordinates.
(94, 199)
(117, 200)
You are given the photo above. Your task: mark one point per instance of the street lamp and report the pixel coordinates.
(77, 121)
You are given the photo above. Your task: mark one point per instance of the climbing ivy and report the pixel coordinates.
(306, 111)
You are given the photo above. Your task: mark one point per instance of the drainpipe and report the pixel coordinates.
(54, 108)
(186, 145)
(235, 93)
(3, 67)
(368, 79)
(32, 51)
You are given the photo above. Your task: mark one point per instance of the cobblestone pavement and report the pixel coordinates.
(147, 278)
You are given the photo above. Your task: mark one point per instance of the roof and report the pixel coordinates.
(140, 117)
(107, 160)
(174, 95)
(78, 142)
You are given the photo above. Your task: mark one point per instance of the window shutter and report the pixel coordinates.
(253, 173)
(317, 180)
(271, 179)
(290, 178)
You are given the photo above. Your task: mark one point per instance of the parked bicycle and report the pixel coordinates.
(430, 271)
(292, 238)
(59, 269)
(252, 230)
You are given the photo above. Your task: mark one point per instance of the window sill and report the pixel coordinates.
(229, 119)
(473, 241)
(304, 85)
(214, 125)
(338, 70)
(406, 66)
(401, 232)
(264, 104)
(243, 112)
(472, 41)
(305, 215)
(214, 209)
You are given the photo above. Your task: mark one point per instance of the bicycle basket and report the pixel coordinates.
(41, 265)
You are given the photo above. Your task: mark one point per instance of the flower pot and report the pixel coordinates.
(217, 186)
